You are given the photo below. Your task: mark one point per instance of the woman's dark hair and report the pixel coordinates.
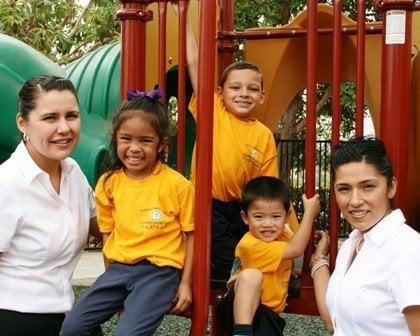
(265, 188)
(363, 149)
(29, 93)
(145, 107)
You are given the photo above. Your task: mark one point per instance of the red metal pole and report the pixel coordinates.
(311, 69)
(306, 303)
(226, 47)
(396, 86)
(133, 16)
(336, 119)
(204, 143)
(182, 24)
(162, 47)
(360, 77)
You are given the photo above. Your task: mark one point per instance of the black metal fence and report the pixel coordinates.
(291, 156)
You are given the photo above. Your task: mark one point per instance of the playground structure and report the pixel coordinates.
(289, 63)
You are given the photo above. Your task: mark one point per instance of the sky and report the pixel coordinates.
(83, 2)
(368, 126)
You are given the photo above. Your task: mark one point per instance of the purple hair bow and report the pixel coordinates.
(156, 93)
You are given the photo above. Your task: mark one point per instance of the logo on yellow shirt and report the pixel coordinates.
(156, 215)
(254, 153)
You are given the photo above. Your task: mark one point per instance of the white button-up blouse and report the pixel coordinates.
(368, 298)
(42, 233)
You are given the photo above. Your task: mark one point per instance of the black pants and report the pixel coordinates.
(227, 229)
(266, 322)
(14, 323)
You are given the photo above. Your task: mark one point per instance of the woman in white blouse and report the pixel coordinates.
(375, 287)
(46, 205)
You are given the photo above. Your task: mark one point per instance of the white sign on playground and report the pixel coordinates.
(395, 27)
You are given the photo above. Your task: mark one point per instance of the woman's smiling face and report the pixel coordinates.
(363, 194)
(52, 128)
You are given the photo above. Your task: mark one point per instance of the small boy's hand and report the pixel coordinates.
(322, 243)
(311, 205)
(183, 298)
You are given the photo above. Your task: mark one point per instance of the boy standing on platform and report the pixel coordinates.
(243, 148)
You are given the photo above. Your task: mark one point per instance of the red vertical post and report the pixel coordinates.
(360, 76)
(306, 303)
(133, 16)
(162, 9)
(396, 87)
(311, 69)
(226, 47)
(182, 24)
(204, 144)
(310, 136)
(336, 119)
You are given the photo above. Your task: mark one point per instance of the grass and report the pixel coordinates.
(296, 325)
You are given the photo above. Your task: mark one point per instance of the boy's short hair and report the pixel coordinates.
(265, 188)
(240, 65)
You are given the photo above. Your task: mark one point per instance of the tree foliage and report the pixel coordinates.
(64, 31)
(265, 13)
(61, 29)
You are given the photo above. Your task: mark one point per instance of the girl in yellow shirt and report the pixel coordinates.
(145, 213)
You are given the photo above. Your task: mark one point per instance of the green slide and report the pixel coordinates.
(18, 63)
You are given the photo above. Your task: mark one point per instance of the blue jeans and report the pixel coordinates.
(145, 292)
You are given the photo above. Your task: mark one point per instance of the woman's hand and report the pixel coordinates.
(321, 276)
(322, 244)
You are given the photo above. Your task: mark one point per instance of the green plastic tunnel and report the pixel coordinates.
(96, 77)
(18, 63)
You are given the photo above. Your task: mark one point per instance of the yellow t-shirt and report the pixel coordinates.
(146, 218)
(252, 252)
(242, 150)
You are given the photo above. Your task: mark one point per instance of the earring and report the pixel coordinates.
(25, 137)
